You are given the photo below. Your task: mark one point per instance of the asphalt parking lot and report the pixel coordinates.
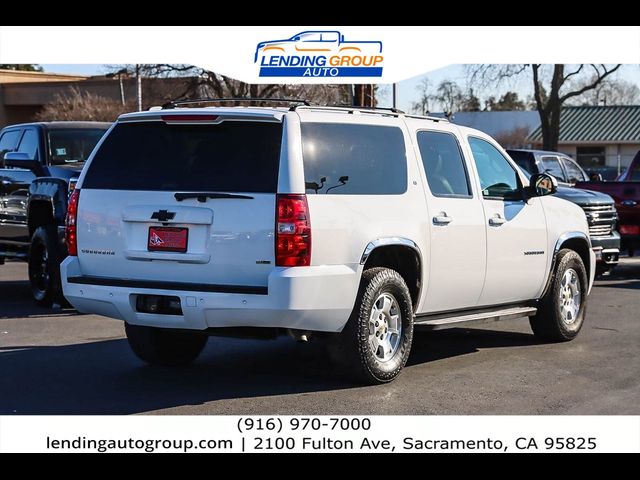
(60, 362)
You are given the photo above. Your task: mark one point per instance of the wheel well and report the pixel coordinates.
(402, 259)
(581, 247)
(40, 214)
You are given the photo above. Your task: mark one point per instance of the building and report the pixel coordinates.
(14, 108)
(598, 136)
(23, 94)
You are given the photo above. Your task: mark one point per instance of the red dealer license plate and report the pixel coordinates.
(168, 239)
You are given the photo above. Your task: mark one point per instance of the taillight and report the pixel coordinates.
(71, 233)
(293, 231)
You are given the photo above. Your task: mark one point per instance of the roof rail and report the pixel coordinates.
(429, 117)
(352, 109)
(388, 109)
(176, 103)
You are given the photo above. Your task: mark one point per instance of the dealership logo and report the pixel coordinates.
(319, 54)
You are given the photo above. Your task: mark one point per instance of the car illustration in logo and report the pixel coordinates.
(319, 54)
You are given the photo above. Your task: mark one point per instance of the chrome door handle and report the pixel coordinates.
(497, 219)
(629, 203)
(442, 219)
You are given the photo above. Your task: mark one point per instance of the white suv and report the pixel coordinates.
(346, 224)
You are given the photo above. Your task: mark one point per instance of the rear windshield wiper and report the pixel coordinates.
(203, 196)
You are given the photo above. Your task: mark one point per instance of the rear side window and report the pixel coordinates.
(552, 165)
(347, 159)
(228, 157)
(443, 164)
(574, 173)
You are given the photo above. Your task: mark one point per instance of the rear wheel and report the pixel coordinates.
(562, 310)
(376, 341)
(159, 346)
(44, 267)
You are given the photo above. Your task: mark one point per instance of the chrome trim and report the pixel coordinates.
(386, 241)
(401, 241)
(569, 235)
(561, 239)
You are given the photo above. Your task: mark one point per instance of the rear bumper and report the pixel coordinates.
(317, 298)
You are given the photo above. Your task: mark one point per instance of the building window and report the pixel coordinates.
(590, 156)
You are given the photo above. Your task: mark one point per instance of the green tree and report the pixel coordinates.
(469, 102)
(508, 101)
(22, 67)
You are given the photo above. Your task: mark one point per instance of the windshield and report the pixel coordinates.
(73, 145)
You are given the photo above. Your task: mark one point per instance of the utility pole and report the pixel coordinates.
(363, 95)
(394, 95)
(139, 87)
(119, 74)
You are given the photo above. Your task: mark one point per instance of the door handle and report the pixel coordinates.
(497, 219)
(442, 219)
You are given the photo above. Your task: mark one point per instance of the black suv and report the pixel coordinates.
(598, 207)
(39, 164)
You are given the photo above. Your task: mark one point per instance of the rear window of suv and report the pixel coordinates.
(228, 157)
(348, 159)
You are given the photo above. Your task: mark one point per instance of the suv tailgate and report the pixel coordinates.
(182, 201)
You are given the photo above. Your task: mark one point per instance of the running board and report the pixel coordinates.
(430, 323)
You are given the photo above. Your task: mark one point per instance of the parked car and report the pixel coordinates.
(598, 207)
(606, 174)
(563, 168)
(626, 193)
(39, 165)
(346, 224)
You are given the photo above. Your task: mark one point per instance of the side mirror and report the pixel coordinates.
(542, 184)
(22, 160)
(596, 177)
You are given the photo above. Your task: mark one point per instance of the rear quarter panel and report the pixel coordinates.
(343, 225)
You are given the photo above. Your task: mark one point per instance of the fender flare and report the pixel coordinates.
(558, 246)
(52, 191)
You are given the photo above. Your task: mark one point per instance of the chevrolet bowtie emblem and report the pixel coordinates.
(163, 215)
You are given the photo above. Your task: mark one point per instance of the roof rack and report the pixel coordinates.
(352, 109)
(388, 109)
(429, 117)
(176, 103)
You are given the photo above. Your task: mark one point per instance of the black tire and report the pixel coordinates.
(44, 267)
(159, 346)
(352, 349)
(551, 323)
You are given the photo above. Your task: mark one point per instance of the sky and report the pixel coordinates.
(407, 91)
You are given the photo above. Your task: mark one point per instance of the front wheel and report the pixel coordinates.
(159, 346)
(563, 308)
(376, 341)
(44, 267)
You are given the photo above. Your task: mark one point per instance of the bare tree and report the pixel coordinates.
(612, 91)
(201, 83)
(560, 90)
(76, 105)
(421, 107)
(448, 94)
